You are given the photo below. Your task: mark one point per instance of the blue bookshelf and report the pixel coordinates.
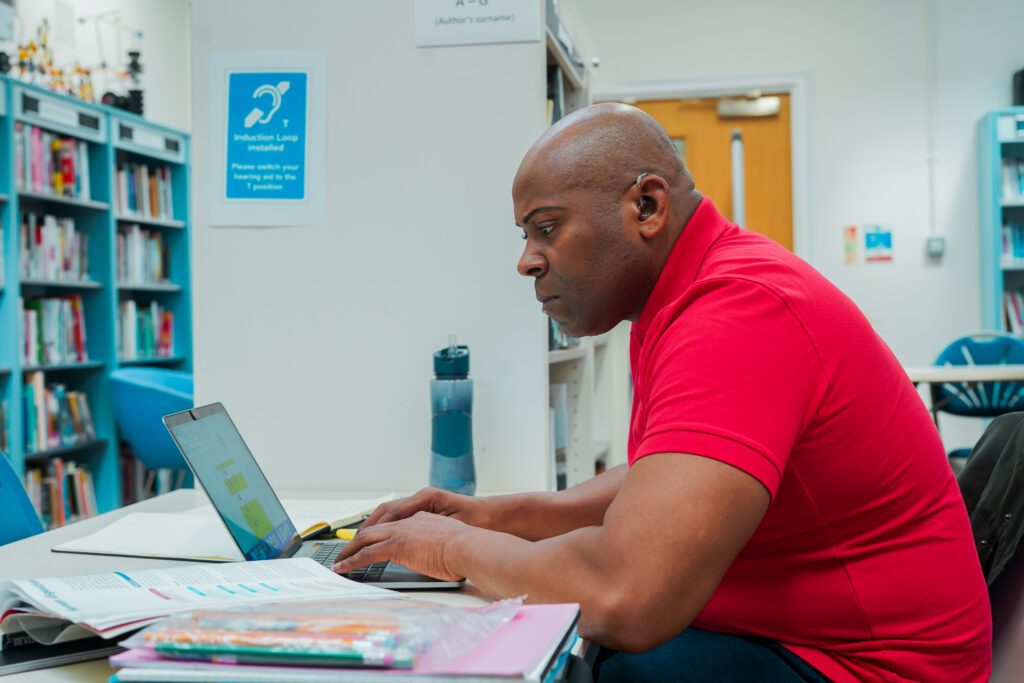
(112, 137)
(1001, 203)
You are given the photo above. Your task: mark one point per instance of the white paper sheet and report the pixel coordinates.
(199, 534)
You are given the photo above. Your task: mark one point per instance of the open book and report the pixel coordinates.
(58, 610)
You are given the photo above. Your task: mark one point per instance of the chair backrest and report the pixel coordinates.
(18, 519)
(141, 396)
(981, 399)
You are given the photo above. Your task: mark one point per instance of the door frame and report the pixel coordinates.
(796, 84)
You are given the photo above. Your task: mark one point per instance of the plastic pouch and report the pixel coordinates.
(334, 633)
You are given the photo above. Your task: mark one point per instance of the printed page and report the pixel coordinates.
(103, 600)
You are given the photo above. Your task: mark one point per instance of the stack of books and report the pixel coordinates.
(145, 331)
(53, 330)
(142, 257)
(54, 415)
(47, 163)
(64, 493)
(52, 250)
(534, 646)
(142, 190)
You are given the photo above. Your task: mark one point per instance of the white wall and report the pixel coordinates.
(869, 64)
(164, 45)
(319, 340)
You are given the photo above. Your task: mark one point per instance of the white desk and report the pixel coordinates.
(940, 374)
(32, 558)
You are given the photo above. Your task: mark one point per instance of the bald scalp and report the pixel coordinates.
(603, 148)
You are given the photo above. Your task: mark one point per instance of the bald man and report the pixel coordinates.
(787, 513)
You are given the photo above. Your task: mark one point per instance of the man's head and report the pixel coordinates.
(601, 198)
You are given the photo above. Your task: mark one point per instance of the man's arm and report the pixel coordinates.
(640, 577)
(536, 516)
(532, 516)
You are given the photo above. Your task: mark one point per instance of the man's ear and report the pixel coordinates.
(652, 203)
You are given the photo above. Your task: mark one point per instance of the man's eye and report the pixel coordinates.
(524, 235)
(545, 229)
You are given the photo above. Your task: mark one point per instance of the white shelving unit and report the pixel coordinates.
(598, 394)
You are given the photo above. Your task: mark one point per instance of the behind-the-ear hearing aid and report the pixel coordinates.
(643, 204)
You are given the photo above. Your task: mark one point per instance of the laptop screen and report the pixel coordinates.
(234, 482)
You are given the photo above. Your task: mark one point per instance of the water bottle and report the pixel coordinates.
(451, 403)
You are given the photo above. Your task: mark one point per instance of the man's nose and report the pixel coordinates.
(532, 263)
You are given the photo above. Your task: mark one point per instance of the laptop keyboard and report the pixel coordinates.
(327, 552)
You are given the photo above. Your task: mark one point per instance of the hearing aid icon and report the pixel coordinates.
(276, 93)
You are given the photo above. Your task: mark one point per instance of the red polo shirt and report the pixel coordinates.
(864, 565)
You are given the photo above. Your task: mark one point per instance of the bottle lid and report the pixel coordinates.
(452, 362)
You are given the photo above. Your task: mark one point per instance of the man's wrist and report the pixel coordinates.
(458, 551)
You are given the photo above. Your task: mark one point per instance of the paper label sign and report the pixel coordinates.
(877, 244)
(472, 22)
(266, 136)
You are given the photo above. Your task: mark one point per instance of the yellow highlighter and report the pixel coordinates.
(346, 534)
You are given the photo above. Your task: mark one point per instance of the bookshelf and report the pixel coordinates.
(588, 379)
(89, 142)
(1001, 204)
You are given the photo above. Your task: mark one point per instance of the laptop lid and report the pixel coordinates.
(239, 491)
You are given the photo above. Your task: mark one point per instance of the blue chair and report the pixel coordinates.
(141, 396)
(980, 399)
(18, 519)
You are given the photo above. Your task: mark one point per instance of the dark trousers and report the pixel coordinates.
(697, 656)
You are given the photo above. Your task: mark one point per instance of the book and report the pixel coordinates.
(533, 647)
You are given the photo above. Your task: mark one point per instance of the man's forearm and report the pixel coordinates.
(536, 516)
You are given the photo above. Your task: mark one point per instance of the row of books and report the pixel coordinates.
(54, 415)
(1013, 311)
(53, 330)
(144, 191)
(1013, 179)
(144, 331)
(139, 482)
(48, 163)
(52, 249)
(142, 256)
(61, 494)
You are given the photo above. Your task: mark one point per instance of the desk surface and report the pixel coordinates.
(933, 374)
(32, 558)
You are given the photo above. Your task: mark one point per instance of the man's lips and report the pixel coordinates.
(546, 301)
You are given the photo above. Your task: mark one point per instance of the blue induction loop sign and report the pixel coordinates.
(266, 136)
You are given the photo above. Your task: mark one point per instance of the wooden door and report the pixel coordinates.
(703, 138)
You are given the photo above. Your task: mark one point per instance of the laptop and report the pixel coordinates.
(250, 509)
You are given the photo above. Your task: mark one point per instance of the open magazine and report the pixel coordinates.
(57, 610)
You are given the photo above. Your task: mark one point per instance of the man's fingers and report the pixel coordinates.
(378, 552)
(365, 537)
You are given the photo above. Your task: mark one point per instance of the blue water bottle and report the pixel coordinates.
(451, 403)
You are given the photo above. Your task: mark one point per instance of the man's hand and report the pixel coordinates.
(472, 511)
(421, 543)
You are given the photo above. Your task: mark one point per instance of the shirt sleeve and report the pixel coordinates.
(729, 372)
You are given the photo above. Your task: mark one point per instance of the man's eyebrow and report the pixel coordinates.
(527, 217)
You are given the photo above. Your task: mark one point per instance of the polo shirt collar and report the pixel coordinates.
(704, 227)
